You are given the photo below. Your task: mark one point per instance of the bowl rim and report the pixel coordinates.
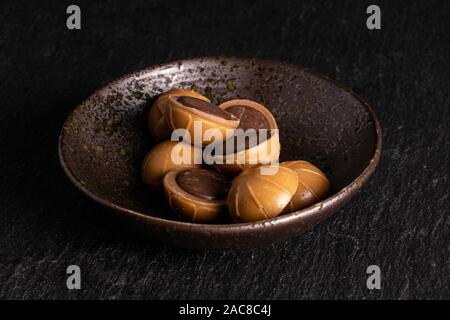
(230, 228)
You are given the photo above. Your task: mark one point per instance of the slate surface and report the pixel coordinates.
(400, 221)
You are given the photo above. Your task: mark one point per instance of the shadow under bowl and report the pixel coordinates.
(104, 140)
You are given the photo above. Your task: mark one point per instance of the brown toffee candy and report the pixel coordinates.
(198, 194)
(159, 160)
(257, 196)
(264, 149)
(183, 112)
(157, 124)
(313, 185)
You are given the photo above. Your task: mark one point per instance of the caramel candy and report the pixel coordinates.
(257, 196)
(313, 185)
(266, 150)
(184, 111)
(198, 194)
(160, 160)
(157, 124)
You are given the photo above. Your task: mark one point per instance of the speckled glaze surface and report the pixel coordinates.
(104, 140)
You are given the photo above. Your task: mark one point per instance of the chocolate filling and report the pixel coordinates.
(203, 183)
(205, 107)
(249, 118)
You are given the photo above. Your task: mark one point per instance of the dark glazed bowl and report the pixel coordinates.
(104, 140)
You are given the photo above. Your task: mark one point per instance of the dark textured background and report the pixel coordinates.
(400, 221)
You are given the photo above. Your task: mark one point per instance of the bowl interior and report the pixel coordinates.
(105, 139)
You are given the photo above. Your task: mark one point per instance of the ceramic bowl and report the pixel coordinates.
(104, 140)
